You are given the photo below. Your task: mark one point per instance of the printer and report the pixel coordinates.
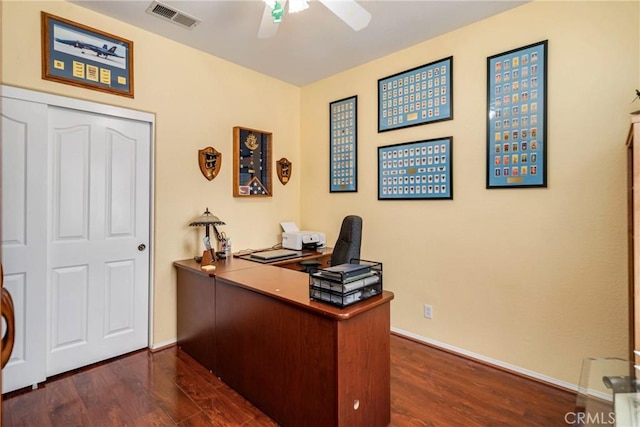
(292, 238)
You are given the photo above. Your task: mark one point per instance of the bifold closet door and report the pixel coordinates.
(24, 237)
(98, 256)
(75, 237)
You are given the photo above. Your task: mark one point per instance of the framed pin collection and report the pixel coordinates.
(417, 96)
(343, 151)
(517, 118)
(416, 170)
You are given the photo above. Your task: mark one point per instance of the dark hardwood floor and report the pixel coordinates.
(429, 387)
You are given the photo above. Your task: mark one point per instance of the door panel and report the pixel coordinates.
(69, 308)
(75, 207)
(100, 281)
(24, 236)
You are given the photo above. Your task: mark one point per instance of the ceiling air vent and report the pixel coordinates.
(172, 14)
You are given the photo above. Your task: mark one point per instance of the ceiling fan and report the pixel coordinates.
(349, 11)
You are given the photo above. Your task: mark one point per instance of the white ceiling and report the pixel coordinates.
(309, 45)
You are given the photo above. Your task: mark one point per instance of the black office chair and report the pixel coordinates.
(347, 246)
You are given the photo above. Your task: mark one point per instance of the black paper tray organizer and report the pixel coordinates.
(346, 284)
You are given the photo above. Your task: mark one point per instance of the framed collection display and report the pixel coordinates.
(417, 96)
(252, 163)
(343, 158)
(78, 55)
(517, 118)
(416, 170)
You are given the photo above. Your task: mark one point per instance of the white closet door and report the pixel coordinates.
(98, 256)
(24, 237)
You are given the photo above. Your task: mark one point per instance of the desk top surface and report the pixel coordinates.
(289, 286)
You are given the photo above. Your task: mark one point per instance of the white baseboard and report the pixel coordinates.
(490, 361)
(159, 345)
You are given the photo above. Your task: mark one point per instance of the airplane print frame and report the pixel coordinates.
(78, 55)
(416, 170)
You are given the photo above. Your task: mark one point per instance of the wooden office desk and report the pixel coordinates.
(301, 362)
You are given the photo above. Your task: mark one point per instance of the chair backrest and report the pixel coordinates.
(349, 240)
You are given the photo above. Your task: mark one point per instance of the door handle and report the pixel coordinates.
(142, 247)
(9, 317)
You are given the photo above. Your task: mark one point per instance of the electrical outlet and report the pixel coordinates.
(428, 311)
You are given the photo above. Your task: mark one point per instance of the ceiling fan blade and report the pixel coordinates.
(350, 12)
(268, 28)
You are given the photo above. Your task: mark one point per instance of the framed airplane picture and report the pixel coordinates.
(78, 55)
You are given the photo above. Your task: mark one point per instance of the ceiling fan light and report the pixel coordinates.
(297, 5)
(277, 12)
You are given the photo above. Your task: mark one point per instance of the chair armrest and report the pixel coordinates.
(310, 263)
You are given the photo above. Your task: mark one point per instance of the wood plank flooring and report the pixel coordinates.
(429, 387)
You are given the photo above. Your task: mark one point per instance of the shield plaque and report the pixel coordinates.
(283, 167)
(210, 161)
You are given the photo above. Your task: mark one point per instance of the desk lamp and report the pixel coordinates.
(208, 219)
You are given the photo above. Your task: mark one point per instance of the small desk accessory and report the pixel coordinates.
(205, 220)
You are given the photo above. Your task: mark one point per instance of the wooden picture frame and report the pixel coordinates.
(343, 145)
(517, 118)
(82, 56)
(252, 171)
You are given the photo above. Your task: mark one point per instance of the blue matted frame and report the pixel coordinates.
(343, 145)
(517, 118)
(416, 170)
(78, 55)
(417, 96)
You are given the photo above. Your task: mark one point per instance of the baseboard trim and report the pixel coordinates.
(489, 361)
(162, 345)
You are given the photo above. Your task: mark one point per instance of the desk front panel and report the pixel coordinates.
(302, 362)
(196, 299)
(279, 357)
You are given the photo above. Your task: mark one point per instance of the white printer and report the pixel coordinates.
(292, 238)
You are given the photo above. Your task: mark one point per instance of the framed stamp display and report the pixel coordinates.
(251, 163)
(416, 170)
(343, 151)
(517, 118)
(417, 96)
(78, 55)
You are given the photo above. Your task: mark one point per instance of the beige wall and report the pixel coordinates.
(197, 99)
(534, 278)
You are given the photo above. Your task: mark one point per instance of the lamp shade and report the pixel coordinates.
(207, 218)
